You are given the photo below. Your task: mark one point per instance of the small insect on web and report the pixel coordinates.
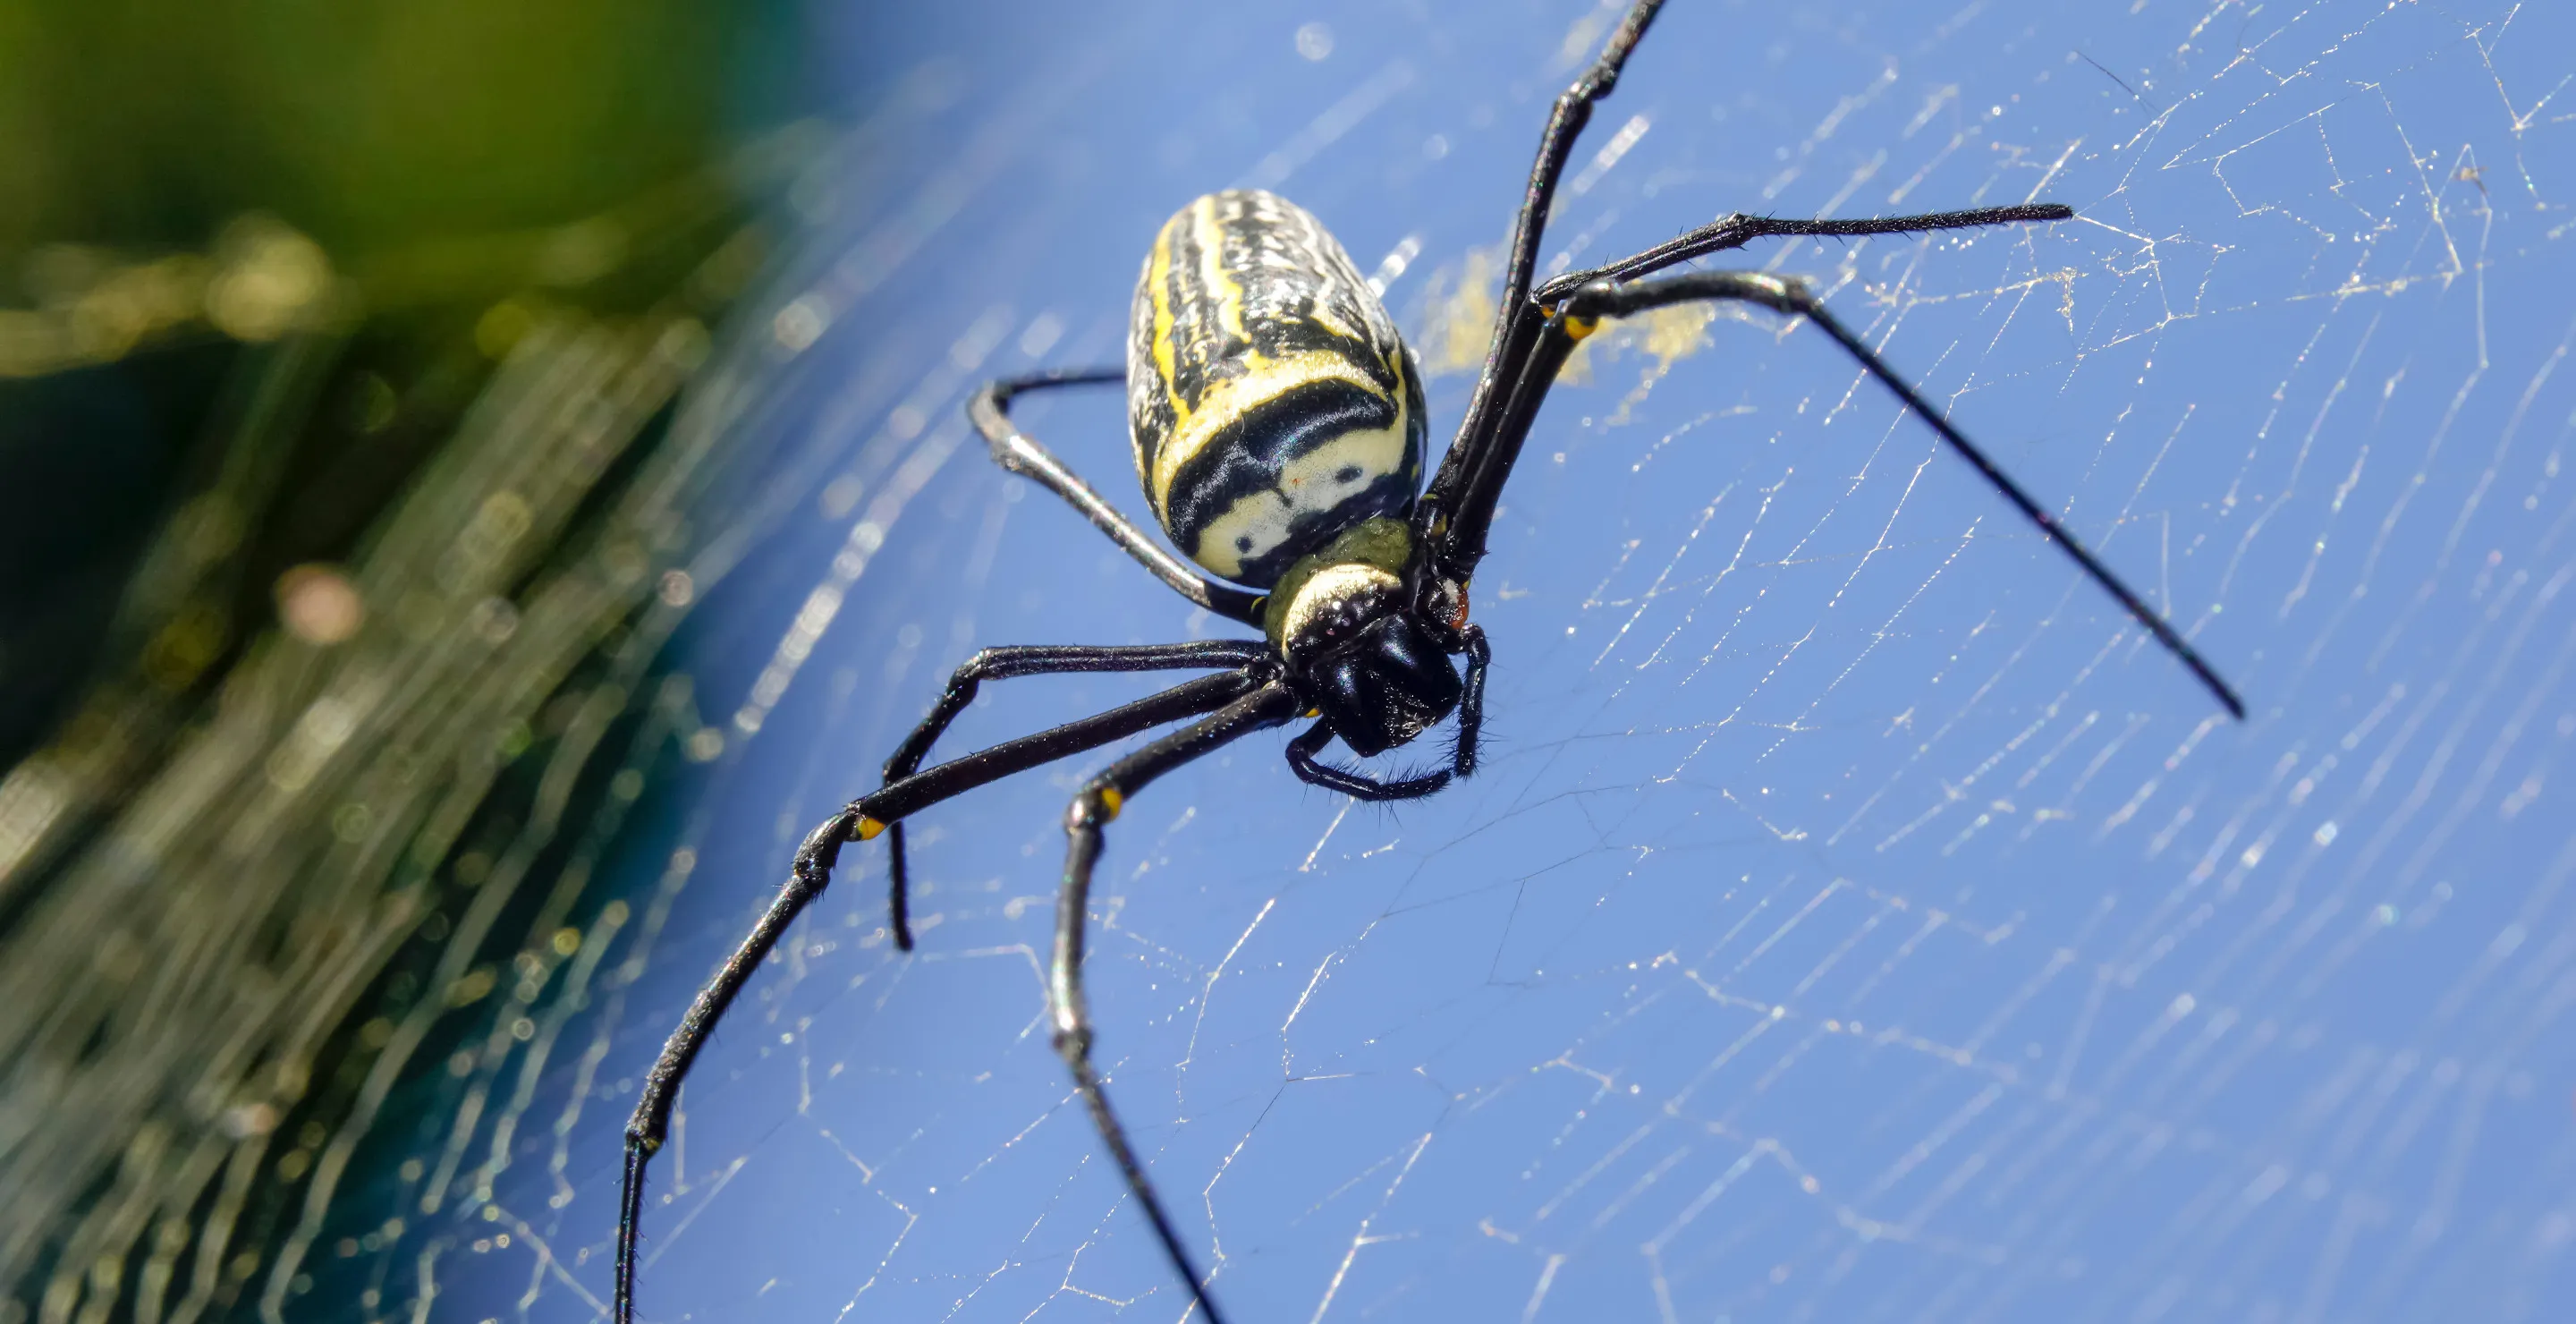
(1279, 428)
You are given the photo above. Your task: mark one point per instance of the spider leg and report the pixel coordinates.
(1793, 298)
(1021, 454)
(1481, 463)
(1516, 326)
(1097, 803)
(812, 872)
(1727, 232)
(1011, 663)
(1315, 772)
(645, 1131)
(1471, 705)
(1484, 463)
(1471, 722)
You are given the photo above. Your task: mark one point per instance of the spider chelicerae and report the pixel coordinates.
(1279, 435)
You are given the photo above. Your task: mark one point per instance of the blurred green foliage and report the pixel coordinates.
(423, 160)
(344, 352)
(365, 125)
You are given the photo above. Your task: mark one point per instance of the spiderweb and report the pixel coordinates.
(1857, 917)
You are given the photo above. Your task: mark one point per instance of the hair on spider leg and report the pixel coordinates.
(1391, 810)
(1279, 430)
(1472, 756)
(1403, 773)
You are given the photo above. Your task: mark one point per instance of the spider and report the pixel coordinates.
(1278, 427)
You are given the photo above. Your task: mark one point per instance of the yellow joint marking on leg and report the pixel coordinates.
(1458, 618)
(869, 828)
(1111, 800)
(1577, 328)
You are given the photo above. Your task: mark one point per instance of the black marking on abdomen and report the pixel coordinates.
(1287, 476)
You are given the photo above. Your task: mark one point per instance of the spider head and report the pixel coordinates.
(1373, 669)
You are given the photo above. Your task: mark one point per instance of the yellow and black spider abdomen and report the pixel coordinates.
(1272, 404)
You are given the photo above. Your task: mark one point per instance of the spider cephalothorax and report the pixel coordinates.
(1375, 671)
(1277, 422)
